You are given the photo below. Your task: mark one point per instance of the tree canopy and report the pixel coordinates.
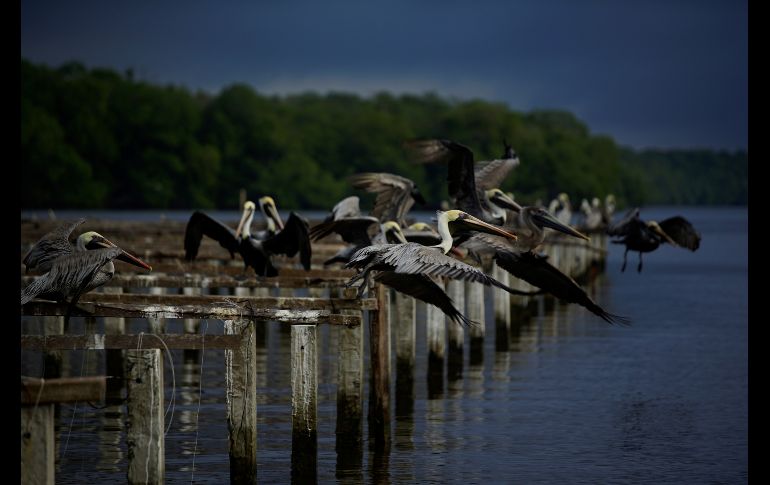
(96, 138)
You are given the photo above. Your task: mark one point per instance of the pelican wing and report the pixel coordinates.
(424, 289)
(460, 175)
(395, 194)
(292, 239)
(681, 231)
(201, 224)
(353, 230)
(50, 247)
(412, 258)
(347, 207)
(69, 274)
(630, 222)
(491, 174)
(538, 272)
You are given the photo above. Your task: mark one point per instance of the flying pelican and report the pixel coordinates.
(257, 250)
(395, 194)
(466, 182)
(410, 267)
(355, 229)
(73, 271)
(647, 236)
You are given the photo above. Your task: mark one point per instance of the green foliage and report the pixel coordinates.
(96, 138)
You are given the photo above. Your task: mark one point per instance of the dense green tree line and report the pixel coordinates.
(95, 138)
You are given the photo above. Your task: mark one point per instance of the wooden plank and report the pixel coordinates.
(241, 374)
(131, 280)
(65, 389)
(304, 403)
(285, 303)
(146, 423)
(219, 312)
(209, 269)
(99, 342)
(37, 445)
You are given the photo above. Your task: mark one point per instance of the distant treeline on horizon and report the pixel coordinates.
(97, 138)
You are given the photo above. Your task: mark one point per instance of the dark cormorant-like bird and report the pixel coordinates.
(647, 236)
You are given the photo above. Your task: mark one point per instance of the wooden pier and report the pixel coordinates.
(177, 289)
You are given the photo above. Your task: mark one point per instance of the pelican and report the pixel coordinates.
(592, 214)
(76, 270)
(608, 210)
(355, 231)
(51, 246)
(422, 233)
(395, 194)
(561, 208)
(257, 250)
(411, 267)
(647, 236)
(466, 181)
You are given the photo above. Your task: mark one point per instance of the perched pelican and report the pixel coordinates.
(464, 179)
(51, 246)
(592, 214)
(608, 210)
(410, 267)
(355, 230)
(561, 208)
(257, 250)
(75, 270)
(395, 194)
(647, 236)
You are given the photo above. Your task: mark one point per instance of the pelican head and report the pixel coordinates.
(564, 198)
(244, 225)
(420, 226)
(500, 199)
(93, 240)
(267, 205)
(543, 218)
(393, 233)
(655, 227)
(453, 220)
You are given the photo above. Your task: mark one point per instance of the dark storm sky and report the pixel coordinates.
(648, 73)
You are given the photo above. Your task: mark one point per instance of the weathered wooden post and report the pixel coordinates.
(157, 325)
(191, 325)
(455, 331)
(502, 305)
(145, 419)
(38, 397)
(240, 375)
(379, 356)
(436, 337)
(114, 357)
(474, 304)
(405, 332)
(304, 402)
(52, 359)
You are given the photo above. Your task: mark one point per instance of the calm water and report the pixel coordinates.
(574, 400)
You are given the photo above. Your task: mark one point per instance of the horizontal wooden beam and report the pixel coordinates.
(269, 302)
(66, 389)
(219, 311)
(146, 341)
(135, 280)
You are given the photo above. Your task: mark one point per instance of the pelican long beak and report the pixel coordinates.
(505, 202)
(272, 213)
(658, 230)
(242, 222)
(102, 242)
(474, 224)
(545, 219)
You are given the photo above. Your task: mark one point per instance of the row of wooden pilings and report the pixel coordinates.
(143, 362)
